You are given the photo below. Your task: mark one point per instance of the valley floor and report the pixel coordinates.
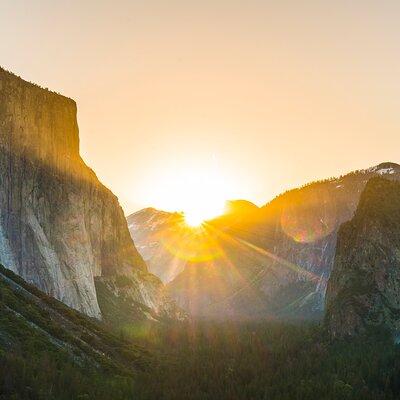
(213, 361)
(51, 352)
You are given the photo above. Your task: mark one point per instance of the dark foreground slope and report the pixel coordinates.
(48, 350)
(364, 288)
(51, 352)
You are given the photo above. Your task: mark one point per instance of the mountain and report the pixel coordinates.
(272, 261)
(158, 233)
(60, 228)
(149, 228)
(364, 287)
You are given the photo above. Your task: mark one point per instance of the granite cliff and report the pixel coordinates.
(364, 287)
(60, 228)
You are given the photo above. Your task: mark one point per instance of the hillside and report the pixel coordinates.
(48, 350)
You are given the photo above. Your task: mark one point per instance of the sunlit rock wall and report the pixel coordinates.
(59, 226)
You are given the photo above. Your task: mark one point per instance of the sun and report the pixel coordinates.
(198, 190)
(201, 211)
(194, 219)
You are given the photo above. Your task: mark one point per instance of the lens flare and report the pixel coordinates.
(193, 245)
(305, 220)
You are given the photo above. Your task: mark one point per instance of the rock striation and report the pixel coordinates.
(364, 287)
(60, 228)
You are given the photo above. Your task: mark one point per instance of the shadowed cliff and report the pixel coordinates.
(364, 287)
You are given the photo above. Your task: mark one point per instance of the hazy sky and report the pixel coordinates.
(272, 93)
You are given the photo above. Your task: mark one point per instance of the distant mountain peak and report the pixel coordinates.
(385, 168)
(232, 206)
(147, 210)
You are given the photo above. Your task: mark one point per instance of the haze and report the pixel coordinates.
(274, 95)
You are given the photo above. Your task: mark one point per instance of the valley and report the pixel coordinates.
(49, 351)
(297, 299)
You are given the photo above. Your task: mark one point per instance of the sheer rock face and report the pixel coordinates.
(364, 287)
(59, 226)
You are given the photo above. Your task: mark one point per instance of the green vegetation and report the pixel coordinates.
(48, 351)
(263, 361)
(269, 361)
(119, 310)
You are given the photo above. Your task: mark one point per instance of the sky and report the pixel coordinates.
(255, 96)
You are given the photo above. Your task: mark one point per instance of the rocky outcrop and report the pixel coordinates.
(125, 299)
(60, 228)
(364, 287)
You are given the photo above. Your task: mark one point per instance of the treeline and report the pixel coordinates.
(272, 361)
(217, 361)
